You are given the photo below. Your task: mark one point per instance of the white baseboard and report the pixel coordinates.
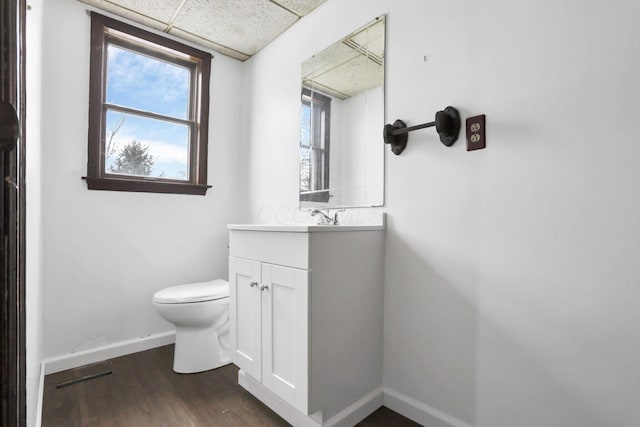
(418, 411)
(122, 348)
(357, 411)
(348, 417)
(40, 396)
(280, 407)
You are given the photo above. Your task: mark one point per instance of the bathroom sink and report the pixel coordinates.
(304, 228)
(360, 222)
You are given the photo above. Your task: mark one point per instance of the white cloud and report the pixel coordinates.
(161, 151)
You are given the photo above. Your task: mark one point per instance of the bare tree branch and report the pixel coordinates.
(111, 147)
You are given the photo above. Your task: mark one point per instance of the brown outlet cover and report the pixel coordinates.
(476, 136)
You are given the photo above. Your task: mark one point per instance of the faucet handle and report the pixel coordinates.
(322, 217)
(335, 216)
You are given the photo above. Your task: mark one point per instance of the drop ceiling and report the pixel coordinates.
(351, 66)
(236, 28)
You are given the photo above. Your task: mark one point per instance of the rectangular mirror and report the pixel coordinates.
(342, 112)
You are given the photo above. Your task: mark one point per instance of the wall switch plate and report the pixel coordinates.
(476, 136)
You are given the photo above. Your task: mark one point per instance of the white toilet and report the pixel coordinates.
(200, 312)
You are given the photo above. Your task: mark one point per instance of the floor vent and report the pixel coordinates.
(85, 378)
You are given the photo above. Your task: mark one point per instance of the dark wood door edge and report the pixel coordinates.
(12, 212)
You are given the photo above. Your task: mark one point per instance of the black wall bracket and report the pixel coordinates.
(9, 127)
(447, 125)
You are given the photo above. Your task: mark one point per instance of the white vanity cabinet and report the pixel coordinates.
(269, 334)
(306, 318)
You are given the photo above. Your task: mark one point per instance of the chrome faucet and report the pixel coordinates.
(326, 219)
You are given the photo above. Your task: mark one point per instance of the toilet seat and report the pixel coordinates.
(193, 292)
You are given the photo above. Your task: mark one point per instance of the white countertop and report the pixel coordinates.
(304, 228)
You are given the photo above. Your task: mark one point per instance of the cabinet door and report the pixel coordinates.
(244, 309)
(285, 332)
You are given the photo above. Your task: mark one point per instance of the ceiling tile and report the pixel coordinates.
(327, 59)
(349, 66)
(157, 10)
(353, 77)
(301, 7)
(246, 26)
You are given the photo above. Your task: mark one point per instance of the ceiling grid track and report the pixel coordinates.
(287, 9)
(363, 51)
(175, 16)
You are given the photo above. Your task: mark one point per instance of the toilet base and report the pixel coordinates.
(198, 350)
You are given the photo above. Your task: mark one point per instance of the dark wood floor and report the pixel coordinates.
(144, 391)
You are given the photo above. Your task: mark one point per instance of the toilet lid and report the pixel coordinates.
(193, 292)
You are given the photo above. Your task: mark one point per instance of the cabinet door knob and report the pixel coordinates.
(263, 287)
(252, 284)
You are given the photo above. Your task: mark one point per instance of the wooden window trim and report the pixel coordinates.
(323, 195)
(97, 178)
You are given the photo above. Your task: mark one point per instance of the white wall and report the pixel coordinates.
(106, 253)
(511, 289)
(33, 226)
(359, 156)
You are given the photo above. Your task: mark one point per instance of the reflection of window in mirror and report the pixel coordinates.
(314, 147)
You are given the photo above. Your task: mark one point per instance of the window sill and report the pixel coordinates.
(115, 184)
(316, 196)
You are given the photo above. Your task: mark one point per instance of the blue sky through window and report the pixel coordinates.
(306, 124)
(146, 83)
(149, 84)
(305, 141)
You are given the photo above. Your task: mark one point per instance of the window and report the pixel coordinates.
(314, 147)
(148, 111)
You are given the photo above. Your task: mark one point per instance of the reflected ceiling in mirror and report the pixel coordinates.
(342, 109)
